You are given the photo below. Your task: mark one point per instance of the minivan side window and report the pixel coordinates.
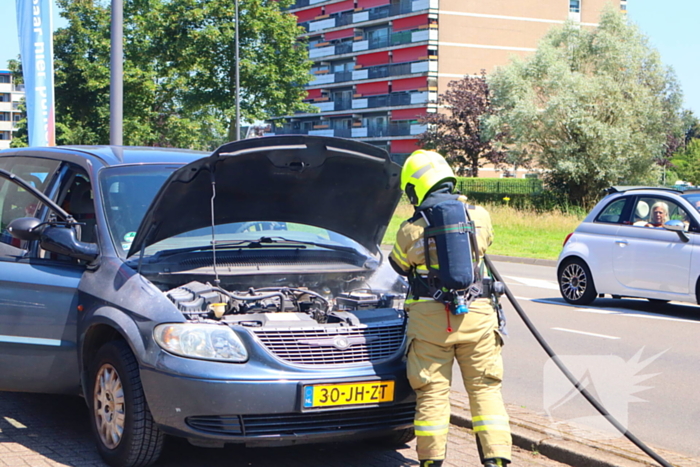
(612, 214)
(16, 202)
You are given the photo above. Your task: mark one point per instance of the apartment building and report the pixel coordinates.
(379, 65)
(10, 96)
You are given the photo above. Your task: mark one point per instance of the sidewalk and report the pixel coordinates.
(43, 430)
(572, 445)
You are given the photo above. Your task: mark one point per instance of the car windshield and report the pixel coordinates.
(128, 192)
(694, 199)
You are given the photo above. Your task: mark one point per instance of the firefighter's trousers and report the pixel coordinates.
(476, 344)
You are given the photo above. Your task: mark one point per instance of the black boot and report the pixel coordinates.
(431, 463)
(496, 462)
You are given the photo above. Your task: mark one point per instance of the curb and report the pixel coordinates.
(572, 445)
(514, 259)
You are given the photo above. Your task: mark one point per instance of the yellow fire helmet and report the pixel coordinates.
(421, 172)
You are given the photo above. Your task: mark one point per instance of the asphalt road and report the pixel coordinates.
(639, 358)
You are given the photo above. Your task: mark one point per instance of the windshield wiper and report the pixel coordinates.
(262, 242)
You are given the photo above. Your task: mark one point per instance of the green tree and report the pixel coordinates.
(686, 162)
(691, 125)
(458, 134)
(179, 87)
(594, 107)
(197, 39)
(152, 113)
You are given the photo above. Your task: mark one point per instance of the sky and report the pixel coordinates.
(669, 25)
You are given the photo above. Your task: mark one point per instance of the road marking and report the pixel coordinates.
(586, 333)
(539, 283)
(14, 423)
(616, 311)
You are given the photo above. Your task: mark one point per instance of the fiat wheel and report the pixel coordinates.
(124, 429)
(576, 282)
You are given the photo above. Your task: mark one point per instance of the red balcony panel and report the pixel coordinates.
(308, 15)
(409, 84)
(343, 33)
(373, 89)
(404, 146)
(411, 54)
(371, 3)
(412, 22)
(408, 114)
(342, 6)
(313, 93)
(379, 58)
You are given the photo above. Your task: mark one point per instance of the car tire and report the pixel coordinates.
(124, 430)
(576, 282)
(397, 439)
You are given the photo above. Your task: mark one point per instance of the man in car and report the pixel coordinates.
(436, 336)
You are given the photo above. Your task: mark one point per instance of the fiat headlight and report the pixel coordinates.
(202, 341)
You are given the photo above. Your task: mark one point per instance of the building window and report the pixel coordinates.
(4, 116)
(575, 6)
(5, 79)
(313, 41)
(4, 97)
(339, 67)
(4, 135)
(378, 37)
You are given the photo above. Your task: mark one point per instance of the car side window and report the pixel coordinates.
(654, 212)
(612, 214)
(76, 198)
(16, 202)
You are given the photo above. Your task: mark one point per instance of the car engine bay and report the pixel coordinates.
(258, 307)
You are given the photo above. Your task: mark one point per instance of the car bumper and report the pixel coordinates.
(269, 411)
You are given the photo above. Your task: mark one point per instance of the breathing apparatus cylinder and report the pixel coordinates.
(449, 227)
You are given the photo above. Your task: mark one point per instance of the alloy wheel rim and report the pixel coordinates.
(573, 281)
(109, 406)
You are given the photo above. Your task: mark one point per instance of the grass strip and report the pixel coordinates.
(521, 233)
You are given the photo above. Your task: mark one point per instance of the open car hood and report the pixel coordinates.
(345, 186)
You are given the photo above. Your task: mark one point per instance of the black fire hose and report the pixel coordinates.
(577, 384)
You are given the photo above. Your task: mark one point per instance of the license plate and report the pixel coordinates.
(366, 392)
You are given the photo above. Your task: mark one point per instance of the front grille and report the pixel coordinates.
(294, 424)
(315, 346)
(221, 425)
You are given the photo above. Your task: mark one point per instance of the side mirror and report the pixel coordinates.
(24, 228)
(62, 240)
(678, 227)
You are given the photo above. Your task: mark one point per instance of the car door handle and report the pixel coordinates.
(621, 242)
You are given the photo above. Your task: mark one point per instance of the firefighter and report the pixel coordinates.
(436, 336)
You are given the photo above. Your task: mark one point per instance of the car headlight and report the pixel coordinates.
(202, 341)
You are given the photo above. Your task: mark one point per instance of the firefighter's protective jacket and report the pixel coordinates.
(408, 255)
(436, 338)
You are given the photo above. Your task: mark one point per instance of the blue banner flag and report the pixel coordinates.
(34, 26)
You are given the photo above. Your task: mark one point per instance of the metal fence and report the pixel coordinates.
(503, 186)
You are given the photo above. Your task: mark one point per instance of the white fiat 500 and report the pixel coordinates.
(637, 242)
